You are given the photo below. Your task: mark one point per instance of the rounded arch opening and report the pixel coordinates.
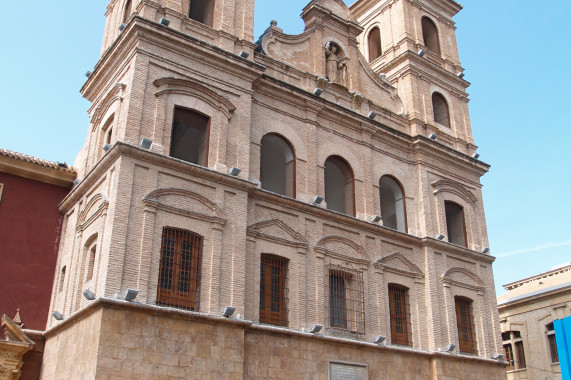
(277, 165)
(374, 44)
(440, 109)
(393, 208)
(127, 10)
(430, 35)
(339, 186)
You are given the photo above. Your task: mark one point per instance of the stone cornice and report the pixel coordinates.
(36, 169)
(120, 149)
(143, 29)
(422, 66)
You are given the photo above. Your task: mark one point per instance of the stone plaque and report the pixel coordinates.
(340, 371)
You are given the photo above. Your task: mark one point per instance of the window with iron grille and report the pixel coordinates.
(345, 309)
(400, 316)
(273, 292)
(552, 343)
(465, 324)
(179, 274)
(513, 350)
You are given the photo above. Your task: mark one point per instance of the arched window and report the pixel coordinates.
(400, 315)
(128, 10)
(202, 11)
(440, 110)
(61, 279)
(430, 35)
(91, 262)
(465, 325)
(107, 132)
(455, 225)
(374, 43)
(179, 271)
(392, 204)
(339, 186)
(189, 140)
(277, 166)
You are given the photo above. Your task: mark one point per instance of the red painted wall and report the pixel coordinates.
(30, 223)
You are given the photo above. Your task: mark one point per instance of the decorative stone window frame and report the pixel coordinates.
(460, 282)
(273, 236)
(201, 216)
(199, 97)
(396, 268)
(355, 260)
(446, 190)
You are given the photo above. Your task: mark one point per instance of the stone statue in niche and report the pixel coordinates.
(335, 64)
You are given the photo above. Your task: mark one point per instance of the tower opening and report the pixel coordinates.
(202, 11)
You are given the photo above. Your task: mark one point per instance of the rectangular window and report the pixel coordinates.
(273, 298)
(201, 11)
(465, 324)
(179, 275)
(520, 362)
(346, 299)
(189, 141)
(455, 226)
(508, 353)
(553, 348)
(400, 317)
(513, 341)
(1, 191)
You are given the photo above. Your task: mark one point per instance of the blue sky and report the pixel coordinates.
(515, 53)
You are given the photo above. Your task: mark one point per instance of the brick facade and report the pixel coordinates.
(128, 195)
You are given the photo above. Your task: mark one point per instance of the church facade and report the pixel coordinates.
(302, 206)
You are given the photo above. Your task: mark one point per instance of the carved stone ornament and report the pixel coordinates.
(12, 349)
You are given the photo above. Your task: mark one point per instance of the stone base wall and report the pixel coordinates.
(114, 339)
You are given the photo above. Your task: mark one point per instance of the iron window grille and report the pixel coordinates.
(345, 301)
(179, 274)
(465, 324)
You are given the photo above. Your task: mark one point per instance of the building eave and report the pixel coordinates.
(37, 169)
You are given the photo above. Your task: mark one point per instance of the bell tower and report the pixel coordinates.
(413, 45)
(204, 19)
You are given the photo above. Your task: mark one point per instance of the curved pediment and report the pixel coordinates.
(195, 89)
(378, 91)
(397, 263)
(185, 202)
(336, 7)
(340, 246)
(449, 186)
(113, 95)
(278, 231)
(463, 278)
(92, 210)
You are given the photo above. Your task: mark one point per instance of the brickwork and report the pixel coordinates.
(128, 195)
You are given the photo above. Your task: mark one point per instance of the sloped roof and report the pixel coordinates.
(31, 167)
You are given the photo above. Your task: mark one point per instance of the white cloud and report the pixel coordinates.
(535, 249)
